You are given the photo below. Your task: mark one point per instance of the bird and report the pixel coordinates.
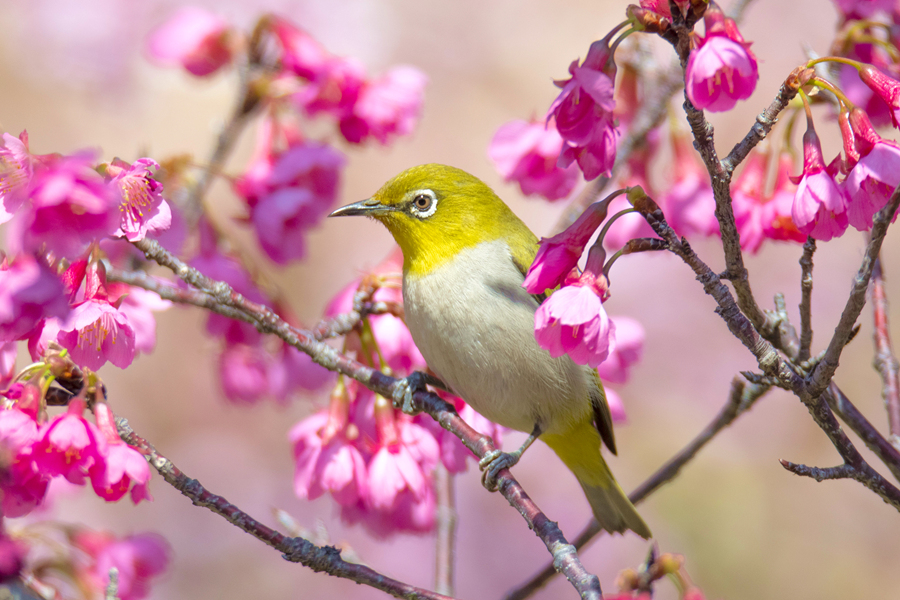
(465, 256)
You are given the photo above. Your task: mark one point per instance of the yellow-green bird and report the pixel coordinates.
(465, 255)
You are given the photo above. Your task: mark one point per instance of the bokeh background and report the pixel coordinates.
(74, 75)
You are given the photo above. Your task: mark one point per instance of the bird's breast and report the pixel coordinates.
(474, 324)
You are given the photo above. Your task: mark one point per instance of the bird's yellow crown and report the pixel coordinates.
(434, 211)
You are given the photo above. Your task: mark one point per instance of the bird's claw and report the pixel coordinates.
(492, 463)
(404, 390)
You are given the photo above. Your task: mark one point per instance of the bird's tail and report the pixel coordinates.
(579, 449)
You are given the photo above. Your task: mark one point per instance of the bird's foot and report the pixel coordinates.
(492, 463)
(406, 387)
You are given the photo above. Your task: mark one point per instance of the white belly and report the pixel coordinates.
(474, 324)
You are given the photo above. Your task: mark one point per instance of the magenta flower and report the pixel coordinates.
(70, 445)
(334, 89)
(527, 152)
(872, 180)
(194, 38)
(23, 484)
(124, 468)
(16, 170)
(143, 208)
(689, 204)
(70, 207)
(629, 347)
(820, 206)
(722, 70)
(98, 332)
(395, 473)
(244, 372)
(326, 461)
(138, 558)
(8, 353)
(759, 214)
(386, 107)
(301, 54)
(583, 113)
(573, 321)
(559, 254)
(29, 293)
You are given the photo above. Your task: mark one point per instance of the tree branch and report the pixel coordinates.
(885, 361)
(806, 285)
(325, 559)
(266, 321)
(819, 474)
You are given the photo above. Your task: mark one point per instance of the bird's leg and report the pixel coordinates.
(416, 382)
(495, 461)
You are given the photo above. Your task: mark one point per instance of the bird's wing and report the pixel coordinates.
(602, 416)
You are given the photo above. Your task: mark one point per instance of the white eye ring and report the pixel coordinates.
(422, 203)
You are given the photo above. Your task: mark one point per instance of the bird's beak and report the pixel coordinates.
(370, 208)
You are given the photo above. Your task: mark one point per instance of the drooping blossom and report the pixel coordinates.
(628, 349)
(16, 170)
(71, 206)
(300, 53)
(70, 445)
(386, 107)
(872, 179)
(559, 254)
(138, 558)
(97, 331)
(761, 214)
(23, 483)
(573, 321)
(820, 205)
(141, 203)
(244, 372)
(583, 113)
(527, 152)
(124, 468)
(722, 69)
(877, 96)
(884, 87)
(334, 88)
(29, 293)
(193, 38)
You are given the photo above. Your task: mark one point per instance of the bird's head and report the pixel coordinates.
(435, 211)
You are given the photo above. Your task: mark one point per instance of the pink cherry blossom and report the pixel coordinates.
(628, 349)
(138, 306)
(124, 468)
(759, 214)
(194, 38)
(8, 353)
(690, 205)
(143, 208)
(559, 254)
(300, 53)
(244, 372)
(399, 483)
(452, 451)
(884, 87)
(334, 89)
(138, 558)
(29, 293)
(16, 169)
(583, 113)
(71, 206)
(70, 445)
(527, 152)
(876, 173)
(616, 407)
(820, 205)
(98, 332)
(722, 70)
(23, 484)
(573, 321)
(386, 107)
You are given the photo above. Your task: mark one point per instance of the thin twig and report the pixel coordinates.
(821, 376)
(885, 361)
(267, 321)
(445, 539)
(325, 559)
(740, 399)
(817, 473)
(806, 286)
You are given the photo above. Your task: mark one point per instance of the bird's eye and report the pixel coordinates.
(422, 202)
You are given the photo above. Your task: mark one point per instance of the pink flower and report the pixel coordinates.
(301, 373)
(70, 207)
(194, 38)
(138, 306)
(70, 445)
(12, 558)
(124, 466)
(573, 321)
(334, 88)
(722, 70)
(244, 372)
(616, 407)
(559, 254)
(29, 293)
(138, 559)
(16, 169)
(690, 205)
(326, 461)
(759, 214)
(820, 206)
(96, 333)
(629, 346)
(23, 484)
(143, 208)
(301, 54)
(583, 113)
(872, 180)
(452, 451)
(386, 107)
(527, 152)
(399, 476)
(8, 353)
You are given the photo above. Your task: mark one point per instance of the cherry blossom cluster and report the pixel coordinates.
(292, 181)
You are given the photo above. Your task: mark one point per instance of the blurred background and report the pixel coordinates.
(74, 75)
